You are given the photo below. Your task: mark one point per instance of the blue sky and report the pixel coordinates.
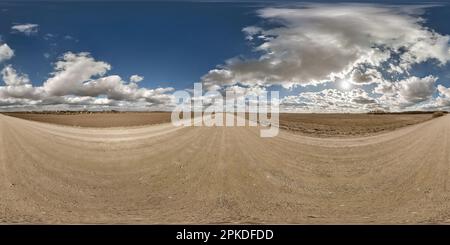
(170, 44)
(174, 44)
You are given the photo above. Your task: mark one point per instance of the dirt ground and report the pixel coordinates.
(98, 120)
(343, 125)
(322, 125)
(165, 174)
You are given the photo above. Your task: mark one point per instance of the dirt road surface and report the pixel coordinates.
(161, 174)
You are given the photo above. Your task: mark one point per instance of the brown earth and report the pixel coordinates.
(347, 124)
(97, 120)
(322, 125)
(162, 174)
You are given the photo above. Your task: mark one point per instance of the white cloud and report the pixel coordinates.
(330, 100)
(366, 77)
(18, 86)
(414, 90)
(445, 92)
(321, 43)
(385, 88)
(442, 101)
(367, 46)
(409, 94)
(251, 31)
(79, 80)
(136, 78)
(74, 76)
(72, 71)
(49, 36)
(6, 52)
(406, 93)
(11, 78)
(27, 29)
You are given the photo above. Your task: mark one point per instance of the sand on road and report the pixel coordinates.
(162, 174)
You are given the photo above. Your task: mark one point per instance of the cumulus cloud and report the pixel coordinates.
(395, 96)
(80, 80)
(251, 31)
(330, 100)
(445, 92)
(17, 87)
(442, 101)
(136, 78)
(373, 48)
(413, 90)
(406, 93)
(11, 78)
(322, 43)
(6, 52)
(351, 43)
(366, 77)
(72, 71)
(27, 29)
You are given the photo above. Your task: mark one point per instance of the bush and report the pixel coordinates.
(438, 114)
